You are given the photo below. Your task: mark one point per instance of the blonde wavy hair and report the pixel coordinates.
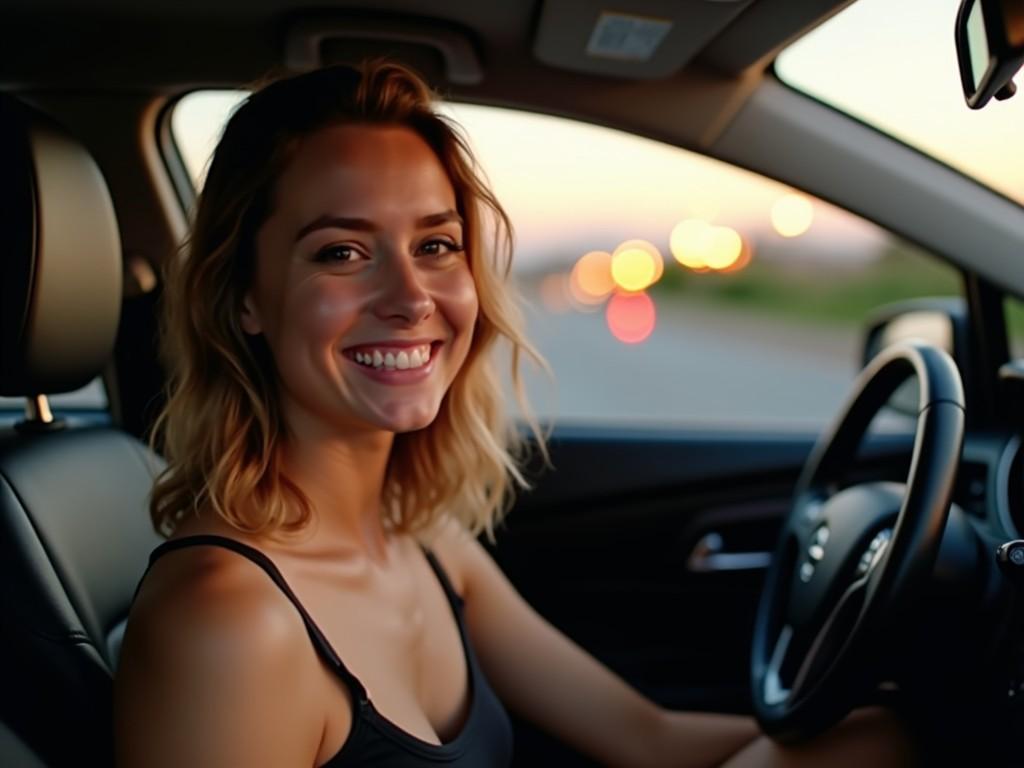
(221, 429)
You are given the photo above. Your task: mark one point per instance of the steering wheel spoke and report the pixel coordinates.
(850, 554)
(828, 641)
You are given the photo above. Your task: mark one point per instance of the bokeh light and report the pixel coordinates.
(690, 241)
(637, 265)
(591, 279)
(726, 246)
(700, 246)
(792, 215)
(631, 317)
(745, 257)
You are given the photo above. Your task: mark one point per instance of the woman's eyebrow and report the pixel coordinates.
(435, 219)
(365, 225)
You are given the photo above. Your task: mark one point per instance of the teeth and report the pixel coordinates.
(401, 360)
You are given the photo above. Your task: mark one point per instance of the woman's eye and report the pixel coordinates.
(440, 248)
(336, 254)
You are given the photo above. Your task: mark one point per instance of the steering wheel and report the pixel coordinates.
(848, 561)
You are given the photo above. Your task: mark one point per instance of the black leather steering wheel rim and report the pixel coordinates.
(850, 560)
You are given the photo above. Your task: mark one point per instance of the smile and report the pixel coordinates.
(393, 358)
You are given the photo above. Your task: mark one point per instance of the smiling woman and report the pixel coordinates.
(328, 332)
(335, 437)
(389, 202)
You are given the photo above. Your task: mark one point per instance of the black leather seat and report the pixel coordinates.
(14, 753)
(74, 528)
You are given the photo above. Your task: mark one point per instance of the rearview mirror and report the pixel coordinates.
(989, 48)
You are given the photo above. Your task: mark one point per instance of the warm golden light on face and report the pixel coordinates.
(591, 279)
(631, 317)
(792, 215)
(636, 265)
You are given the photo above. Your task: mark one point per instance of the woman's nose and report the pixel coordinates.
(403, 295)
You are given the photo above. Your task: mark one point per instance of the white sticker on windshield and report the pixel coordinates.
(618, 36)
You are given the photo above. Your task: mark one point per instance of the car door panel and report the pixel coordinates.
(617, 545)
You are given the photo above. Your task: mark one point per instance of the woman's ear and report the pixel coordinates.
(250, 317)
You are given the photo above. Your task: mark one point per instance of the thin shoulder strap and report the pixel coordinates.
(453, 597)
(320, 642)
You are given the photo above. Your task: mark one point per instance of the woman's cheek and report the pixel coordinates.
(324, 311)
(458, 299)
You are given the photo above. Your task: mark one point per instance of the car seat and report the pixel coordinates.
(74, 530)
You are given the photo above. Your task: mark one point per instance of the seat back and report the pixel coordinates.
(74, 528)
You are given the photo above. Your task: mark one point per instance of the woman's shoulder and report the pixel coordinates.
(214, 650)
(198, 604)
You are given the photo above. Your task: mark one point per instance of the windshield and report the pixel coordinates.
(894, 66)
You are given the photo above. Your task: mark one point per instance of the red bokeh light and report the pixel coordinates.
(630, 317)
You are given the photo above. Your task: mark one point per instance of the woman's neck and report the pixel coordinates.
(344, 480)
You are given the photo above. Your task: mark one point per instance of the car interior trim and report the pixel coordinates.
(796, 139)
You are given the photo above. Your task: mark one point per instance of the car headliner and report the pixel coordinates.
(103, 67)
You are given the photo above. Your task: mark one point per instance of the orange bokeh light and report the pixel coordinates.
(591, 279)
(745, 257)
(631, 317)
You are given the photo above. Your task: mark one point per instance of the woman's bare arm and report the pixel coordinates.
(547, 678)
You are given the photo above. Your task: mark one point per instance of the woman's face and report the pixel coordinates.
(361, 287)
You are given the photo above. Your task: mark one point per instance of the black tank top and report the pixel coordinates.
(486, 737)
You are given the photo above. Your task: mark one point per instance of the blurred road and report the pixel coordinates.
(700, 366)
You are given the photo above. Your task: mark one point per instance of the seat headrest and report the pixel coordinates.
(60, 258)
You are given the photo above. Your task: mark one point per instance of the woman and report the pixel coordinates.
(335, 440)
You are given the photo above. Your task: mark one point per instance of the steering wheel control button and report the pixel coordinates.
(874, 551)
(806, 572)
(821, 536)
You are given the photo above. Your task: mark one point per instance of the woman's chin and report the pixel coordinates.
(406, 418)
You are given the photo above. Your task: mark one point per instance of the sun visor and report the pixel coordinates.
(639, 40)
(439, 51)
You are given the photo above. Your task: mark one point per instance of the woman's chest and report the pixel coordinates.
(400, 638)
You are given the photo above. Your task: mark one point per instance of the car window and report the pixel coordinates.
(894, 66)
(665, 288)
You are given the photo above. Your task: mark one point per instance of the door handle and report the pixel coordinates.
(708, 556)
